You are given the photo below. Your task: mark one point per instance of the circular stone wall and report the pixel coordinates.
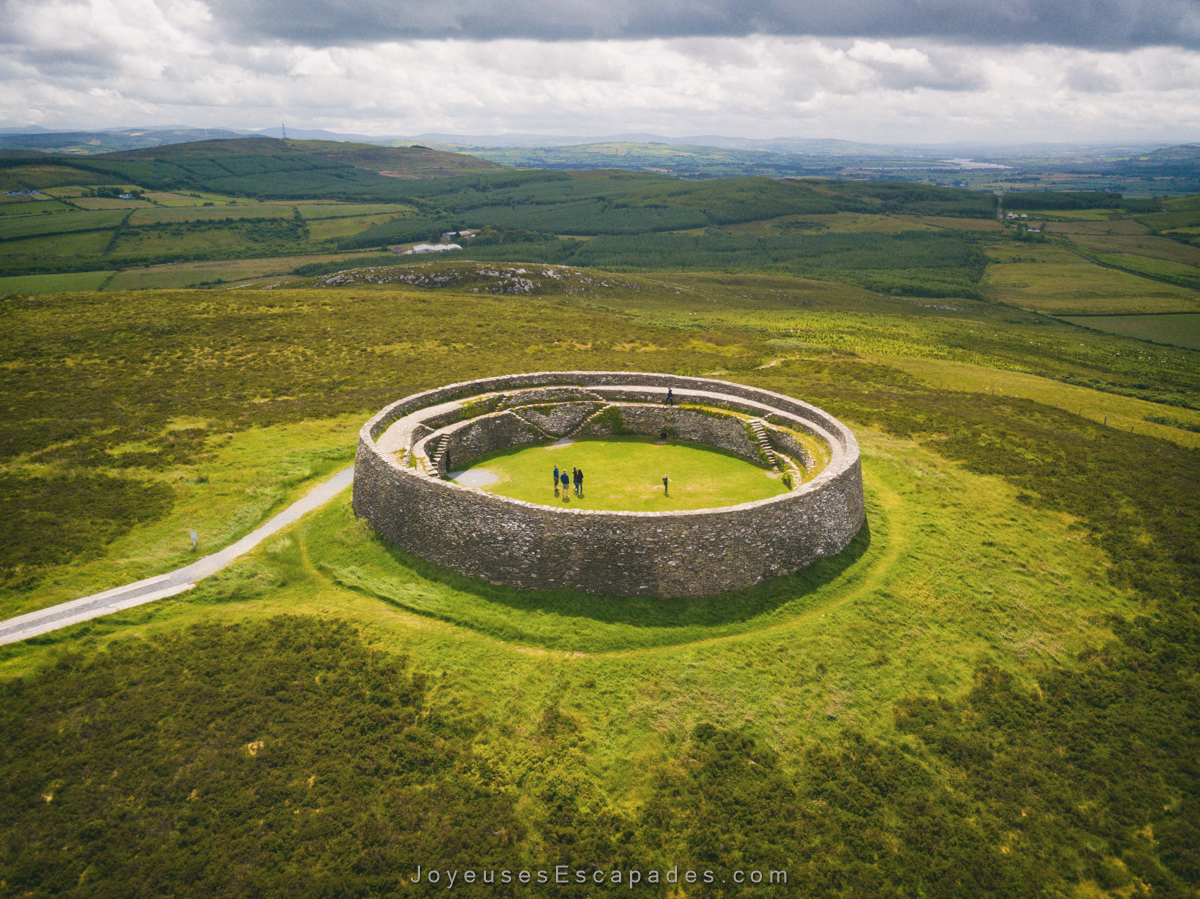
(405, 449)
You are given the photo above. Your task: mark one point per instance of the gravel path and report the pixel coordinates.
(164, 585)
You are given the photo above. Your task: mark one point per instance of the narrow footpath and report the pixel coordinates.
(161, 586)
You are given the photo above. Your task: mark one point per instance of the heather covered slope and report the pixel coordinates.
(989, 693)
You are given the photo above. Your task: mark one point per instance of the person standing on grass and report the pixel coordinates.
(556, 480)
(566, 482)
(666, 487)
(580, 482)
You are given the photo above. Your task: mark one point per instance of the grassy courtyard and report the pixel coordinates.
(625, 474)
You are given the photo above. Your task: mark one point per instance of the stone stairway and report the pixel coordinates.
(760, 431)
(436, 453)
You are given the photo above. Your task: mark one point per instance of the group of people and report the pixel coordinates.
(576, 477)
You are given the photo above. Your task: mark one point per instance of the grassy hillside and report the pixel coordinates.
(1008, 644)
(991, 692)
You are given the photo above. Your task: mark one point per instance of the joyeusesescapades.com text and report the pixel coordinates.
(565, 874)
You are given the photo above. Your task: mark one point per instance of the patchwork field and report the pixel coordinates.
(1177, 330)
(1057, 282)
(33, 284)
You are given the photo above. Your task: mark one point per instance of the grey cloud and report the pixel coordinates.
(67, 62)
(1096, 24)
(1087, 79)
(936, 73)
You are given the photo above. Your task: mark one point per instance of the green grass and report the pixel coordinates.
(109, 204)
(169, 200)
(205, 489)
(997, 673)
(895, 592)
(1181, 329)
(328, 228)
(62, 223)
(222, 273)
(1137, 250)
(347, 210)
(243, 210)
(32, 284)
(1176, 272)
(625, 474)
(12, 206)
(190, 240)
(1124, 413)
(50, 175)
(1057, 282)
(39, 249)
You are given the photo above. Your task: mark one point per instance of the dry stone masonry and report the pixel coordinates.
(405, 451)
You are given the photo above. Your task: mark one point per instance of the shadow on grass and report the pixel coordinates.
(591, 618)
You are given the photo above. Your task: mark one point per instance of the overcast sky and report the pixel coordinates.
(986, 71)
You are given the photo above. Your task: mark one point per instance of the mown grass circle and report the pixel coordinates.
(624, 474)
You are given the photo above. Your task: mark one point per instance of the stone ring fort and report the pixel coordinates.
(404, 453)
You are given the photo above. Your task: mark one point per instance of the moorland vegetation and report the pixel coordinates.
(991, 692)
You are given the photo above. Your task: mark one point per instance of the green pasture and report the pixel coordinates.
(61, 223)
(1122, 412)
(240, 210)
(841, 223)
(66, 192)
(34, 284)
(625, 474)
(910, 240)
(223, 273)
(1140, 250)
(961, 224)
(175, 200)
(19, 207)
(199, 239)
(1058, 284)
(109, 204)
(851, 223)
(1180, 214)
(1178, 273)
(346, 210)
(1075, 215)
(329, 229)
(1109, 227)
(39, 249)
(1174, 329)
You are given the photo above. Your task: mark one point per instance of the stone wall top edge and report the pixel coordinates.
(838, 454)
(840, 433)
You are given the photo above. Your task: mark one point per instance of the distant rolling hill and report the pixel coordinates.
(397, 162)
(90, 143)
(255, 166)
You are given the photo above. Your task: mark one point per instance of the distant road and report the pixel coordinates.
(65, 614)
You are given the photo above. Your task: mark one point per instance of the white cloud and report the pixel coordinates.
(315, 64)
(105, 63)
